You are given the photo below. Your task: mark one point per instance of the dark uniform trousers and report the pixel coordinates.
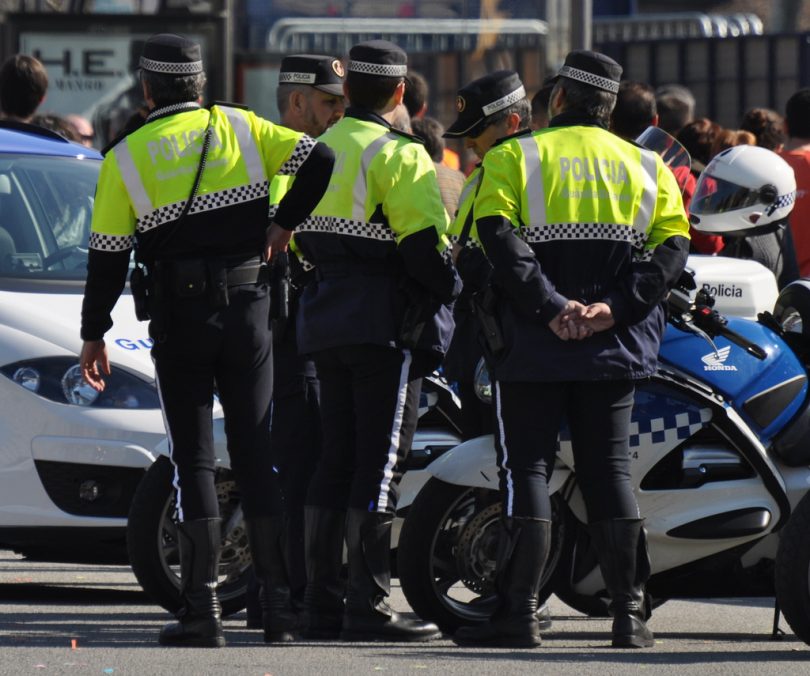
(295, 439)
(369, 409)
(231, 345)
(528, 418)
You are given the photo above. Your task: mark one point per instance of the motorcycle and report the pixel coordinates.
(152, 530)
(720, 465)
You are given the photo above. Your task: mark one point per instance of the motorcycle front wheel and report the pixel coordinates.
(152, 540)
(792, 570)
(447, 550)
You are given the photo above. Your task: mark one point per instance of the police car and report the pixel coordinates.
(70, 458)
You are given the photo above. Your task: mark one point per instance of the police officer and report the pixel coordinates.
(310, 99)
(586, 234)
(489, 109)
(209, 305)
(375, 320)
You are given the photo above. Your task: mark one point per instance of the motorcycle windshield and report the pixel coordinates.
(668, 147)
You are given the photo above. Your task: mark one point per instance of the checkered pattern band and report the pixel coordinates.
(110, 242)
(174, 108)
(170, 68)
(208, 202)
(669, 429)
(536, 234)
(299, 155)
(304, 262)
(346, 226)
(471, 243)
(382, 69)
(589, 78)
(781, 202)
(504, 102)
(296, 78)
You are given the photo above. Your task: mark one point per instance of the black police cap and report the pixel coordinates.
(483, 98)
(319, 71)
(378, 57)
(170, 54)
(592, 68)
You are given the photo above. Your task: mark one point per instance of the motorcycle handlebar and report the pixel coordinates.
(715, 324)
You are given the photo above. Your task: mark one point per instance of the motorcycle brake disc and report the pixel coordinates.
(476, 549)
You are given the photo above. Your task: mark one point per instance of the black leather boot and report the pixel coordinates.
(622, 549)
(544, 617)
(253, 608)
(522, 553)
(368, 616)
(323, 600)
(199, 623)
(278, 617)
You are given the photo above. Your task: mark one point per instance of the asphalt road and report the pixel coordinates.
(46, 609)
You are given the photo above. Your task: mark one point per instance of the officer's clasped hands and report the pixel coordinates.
(577, 321)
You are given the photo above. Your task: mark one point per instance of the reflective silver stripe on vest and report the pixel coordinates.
(612, 232)
(346, 226)
(250, 153)
(649, 196)
(468, 188)
(360, 191)
(132, 180)
(207, 202)
(535, 191)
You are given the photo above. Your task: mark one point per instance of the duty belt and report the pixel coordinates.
(251, 271)
(362, 268)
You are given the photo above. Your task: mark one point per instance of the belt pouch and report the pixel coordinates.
(189, 278)
(218, 293)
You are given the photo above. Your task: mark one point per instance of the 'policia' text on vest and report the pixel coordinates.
(588, 168)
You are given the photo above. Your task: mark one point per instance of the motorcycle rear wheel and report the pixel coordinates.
(446, 555)
(792, 571)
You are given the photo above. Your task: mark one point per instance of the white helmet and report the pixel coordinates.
(741, 191)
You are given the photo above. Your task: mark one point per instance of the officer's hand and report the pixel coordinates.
(94, 353)
(599, 317)
(457, 249)
(278, 239)
(569, 324)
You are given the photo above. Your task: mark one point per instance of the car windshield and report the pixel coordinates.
(46, 205)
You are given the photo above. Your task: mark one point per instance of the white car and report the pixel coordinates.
(70, 459)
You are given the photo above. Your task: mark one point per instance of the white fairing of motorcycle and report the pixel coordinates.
(473, 464)
(740, 287)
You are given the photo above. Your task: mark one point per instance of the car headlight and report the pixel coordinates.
(60, 379)
(483, 384)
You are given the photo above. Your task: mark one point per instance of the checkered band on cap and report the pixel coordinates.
(505, 101)
(590, 79)
(171, 68)
(381, 69)
(296, 78)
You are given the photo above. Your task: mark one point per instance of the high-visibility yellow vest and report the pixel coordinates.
(147, 178)
(553, 191)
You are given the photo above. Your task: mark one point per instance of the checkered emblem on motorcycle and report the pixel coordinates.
(669, 428)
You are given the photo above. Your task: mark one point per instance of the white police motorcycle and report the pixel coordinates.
(719, 449)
